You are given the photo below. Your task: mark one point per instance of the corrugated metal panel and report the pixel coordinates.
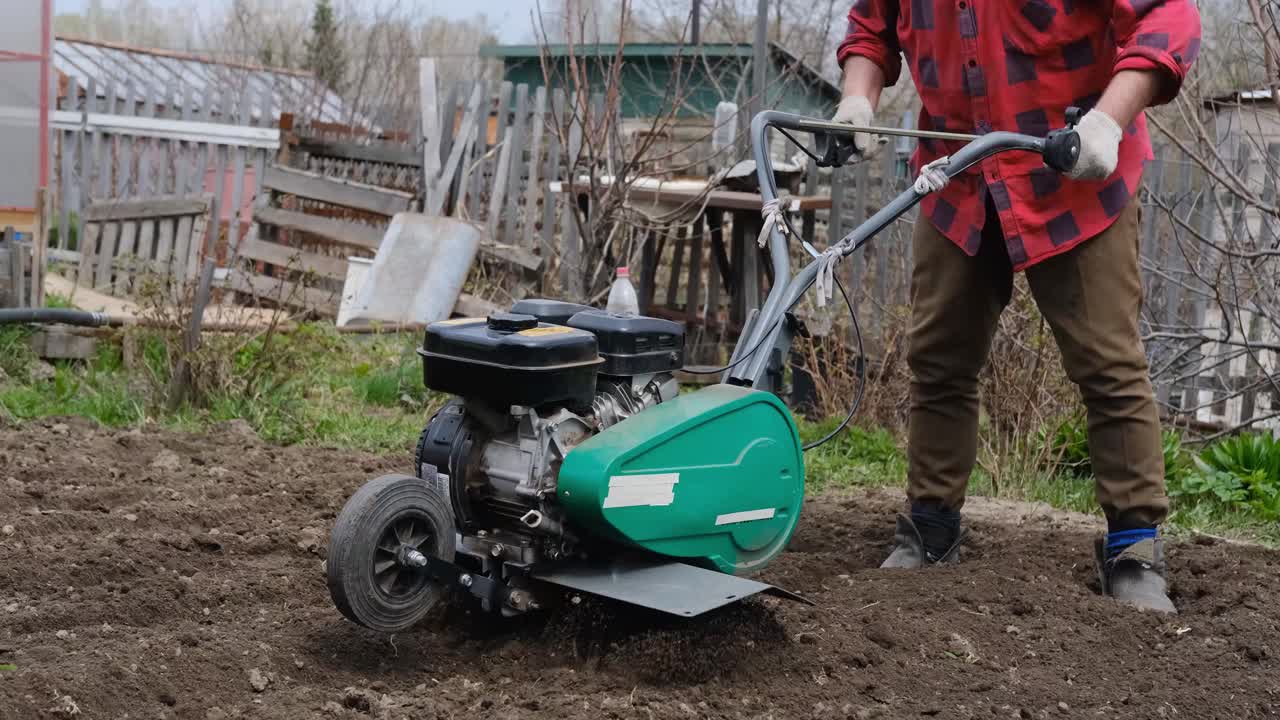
(167, 74)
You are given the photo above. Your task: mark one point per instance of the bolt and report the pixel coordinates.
(465, 580)
(413, 558)
(497, 550)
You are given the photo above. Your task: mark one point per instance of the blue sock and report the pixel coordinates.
(1121, 539)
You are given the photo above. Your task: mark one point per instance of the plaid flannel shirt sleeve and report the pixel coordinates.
(1161, 35)
(873, 34)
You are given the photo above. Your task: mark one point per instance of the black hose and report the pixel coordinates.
(65, 316)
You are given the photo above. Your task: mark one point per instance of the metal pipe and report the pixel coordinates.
(826, 126)
(65, 316)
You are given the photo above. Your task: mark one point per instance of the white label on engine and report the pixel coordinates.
(656, 490)
(745, 516)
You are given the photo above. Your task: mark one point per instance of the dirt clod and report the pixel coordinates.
(257, 680)
(166, 460)
(164, 609)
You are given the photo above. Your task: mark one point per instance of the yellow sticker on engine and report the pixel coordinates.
(549, 330)
(459, 321)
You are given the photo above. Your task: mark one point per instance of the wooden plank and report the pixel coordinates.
(215, 210)
(429, 118)
(201, 242)
(750, 261)
(677, 265)
(499, 186)
(461, 147)
(511, 254)
(164, 243)
(737, 313)
(458, 92)
(126, 251)
(475, 167)
(715, 268)
(146, 240)
(389, 154)
(103, 155)
(83, 147)
(570, 252)
(648, 271)
(343, 232)
(39, 245)
(294, 258)
(549, 200)
(66, 179)
(237, 196)
(532, 190)
(181, 249)
(515, 165)
(88, 251)
(358, 196)
(284, 292)
(693, 295)
(151, 208)
(106, 253)
(125, 159)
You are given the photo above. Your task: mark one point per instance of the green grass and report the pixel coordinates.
(312, 387)
(857, 457)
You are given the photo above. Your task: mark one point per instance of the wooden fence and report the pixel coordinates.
(136, 148)
(490, 153)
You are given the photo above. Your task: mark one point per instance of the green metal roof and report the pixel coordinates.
(780, 55)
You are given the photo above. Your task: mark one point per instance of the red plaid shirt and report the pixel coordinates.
(983, 65)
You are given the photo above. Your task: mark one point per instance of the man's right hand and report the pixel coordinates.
(856, 110)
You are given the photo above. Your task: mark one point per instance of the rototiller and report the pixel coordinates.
(570, 461)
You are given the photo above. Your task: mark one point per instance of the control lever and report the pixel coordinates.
(834, 150)
(1062, 146)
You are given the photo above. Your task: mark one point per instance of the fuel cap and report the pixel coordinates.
(511, 322)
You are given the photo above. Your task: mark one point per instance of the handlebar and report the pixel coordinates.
(1060, 149)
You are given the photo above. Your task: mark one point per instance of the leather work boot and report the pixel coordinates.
(909, 548)
(1136, 576)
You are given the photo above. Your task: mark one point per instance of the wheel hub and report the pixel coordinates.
(398, 556)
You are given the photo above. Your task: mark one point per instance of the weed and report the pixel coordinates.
(855, 457)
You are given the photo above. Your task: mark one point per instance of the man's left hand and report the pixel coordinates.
(1099, 143)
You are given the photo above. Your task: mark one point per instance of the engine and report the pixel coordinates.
(531, 385)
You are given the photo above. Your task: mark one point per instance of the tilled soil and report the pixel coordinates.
(160, 575)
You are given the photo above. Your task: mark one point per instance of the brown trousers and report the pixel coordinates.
(1090, 296)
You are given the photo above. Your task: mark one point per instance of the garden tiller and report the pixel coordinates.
(570, 462)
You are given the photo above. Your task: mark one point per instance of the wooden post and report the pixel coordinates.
(430, 125)
(648, 271)
(535, 161)
(180, 381)
(39, 243)
(499, 186)
(677, 264)
(510, 176)
(694, 287)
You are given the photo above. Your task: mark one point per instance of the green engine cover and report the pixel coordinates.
(715, 477)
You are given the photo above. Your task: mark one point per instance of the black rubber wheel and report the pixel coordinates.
(366, 582)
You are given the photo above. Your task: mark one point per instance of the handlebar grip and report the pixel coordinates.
(1062, 149)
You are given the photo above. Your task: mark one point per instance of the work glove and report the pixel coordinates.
(856, 110)
(1099, 144)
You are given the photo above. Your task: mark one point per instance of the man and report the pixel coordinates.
(983, 65)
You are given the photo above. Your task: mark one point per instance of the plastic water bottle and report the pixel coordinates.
(622, 296)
